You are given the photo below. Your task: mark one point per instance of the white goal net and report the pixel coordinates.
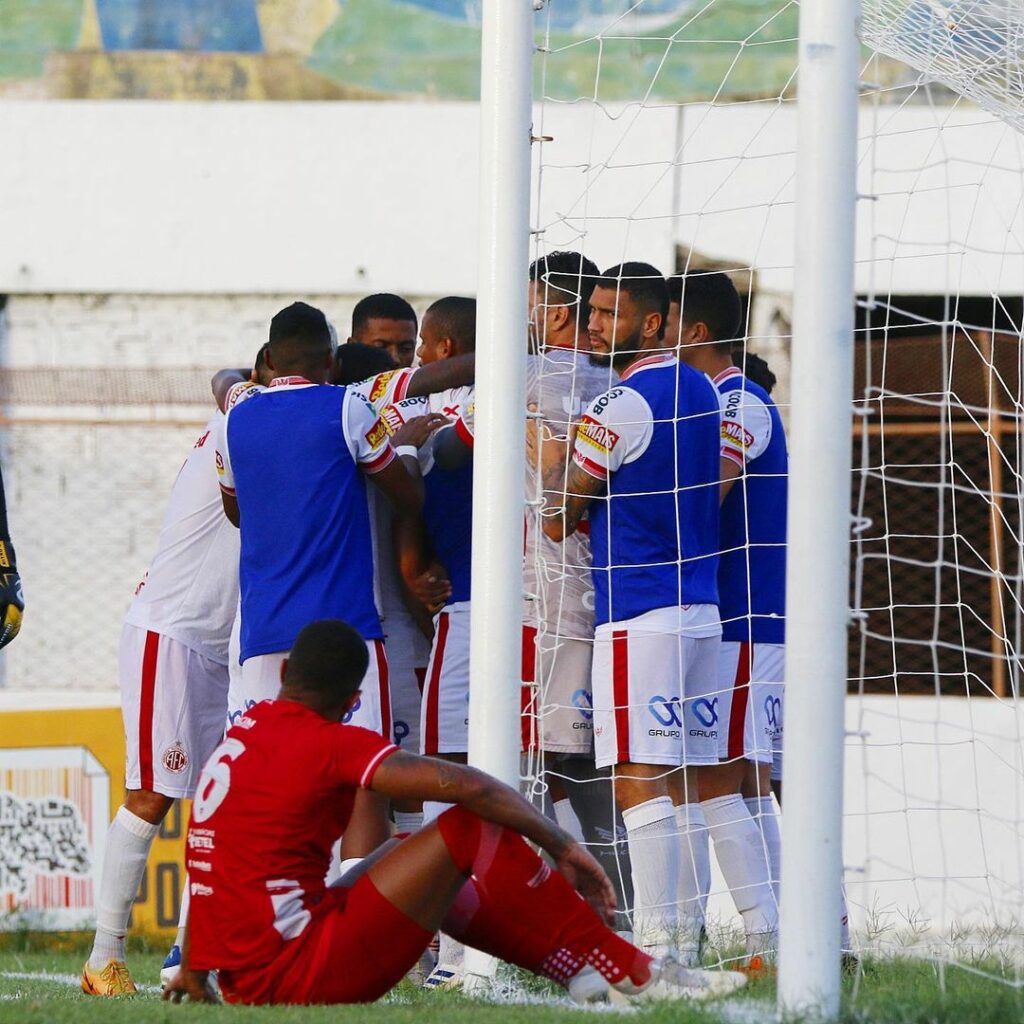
(676, 123)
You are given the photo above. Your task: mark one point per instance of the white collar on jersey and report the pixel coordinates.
(727, 374)
(658, 359)
(291, 382)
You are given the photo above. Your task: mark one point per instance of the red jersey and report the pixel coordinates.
(271, 802)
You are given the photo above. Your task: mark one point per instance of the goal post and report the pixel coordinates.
(818, 561)
(500, 435)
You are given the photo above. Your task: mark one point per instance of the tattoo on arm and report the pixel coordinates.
(569, 490)
(448, 775)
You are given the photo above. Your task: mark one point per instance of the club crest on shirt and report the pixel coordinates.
(377, 434)
(175, 759)
(597, 435)
(735, 433)
(380, 385)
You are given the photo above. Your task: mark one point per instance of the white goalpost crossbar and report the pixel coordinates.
(818, 533)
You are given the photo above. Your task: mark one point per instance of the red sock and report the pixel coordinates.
(516, 908)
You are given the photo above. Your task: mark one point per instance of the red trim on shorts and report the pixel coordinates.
(430, 741)
(146, 701)
(528, 703)
(384, 684)
(620, 693)
(740, 696)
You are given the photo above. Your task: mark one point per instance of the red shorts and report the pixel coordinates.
(353, 951)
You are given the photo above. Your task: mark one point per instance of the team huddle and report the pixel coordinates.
(313, 568)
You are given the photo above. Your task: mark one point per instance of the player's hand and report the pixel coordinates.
(193, 984)
(417, 430)
(588, 878)
(432, 588)
(12, 600)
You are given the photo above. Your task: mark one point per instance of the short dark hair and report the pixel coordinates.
(356, 361)
(383, 306)
(568, 272)
(328, 658)
(298, 332)
(709, 297)
(643, 283)
(754, 369)
(261, 358)
(456, 319)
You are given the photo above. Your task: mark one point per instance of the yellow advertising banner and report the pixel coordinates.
(61, 781)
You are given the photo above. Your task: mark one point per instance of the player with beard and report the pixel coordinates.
(646, 468)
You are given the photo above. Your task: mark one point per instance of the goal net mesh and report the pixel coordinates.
(668, 134)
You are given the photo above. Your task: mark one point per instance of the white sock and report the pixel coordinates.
(179, 939)
(654, 854)
(433, 809)
(567, 819)
(408, 821)
(124, 864)
(740, 853)
(766, 818)
(694, 880)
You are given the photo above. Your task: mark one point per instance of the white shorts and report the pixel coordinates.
(408, 651)
(261, 680)
(173, 701)
(752, 702)
(444, 723)
(236, 692)
(558, 705)
(655, 685)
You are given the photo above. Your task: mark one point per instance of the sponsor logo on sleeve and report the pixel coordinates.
(392, 418)
(220, 464)
(377, 434)
(597, 435)
(380, 384)
(736, 434)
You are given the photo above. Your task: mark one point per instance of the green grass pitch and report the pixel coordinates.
(37, 976)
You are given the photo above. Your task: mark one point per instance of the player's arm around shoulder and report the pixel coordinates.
(616, 428)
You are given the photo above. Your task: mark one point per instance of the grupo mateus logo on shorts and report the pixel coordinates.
(583, 701)
(706, 713)
(668, 713)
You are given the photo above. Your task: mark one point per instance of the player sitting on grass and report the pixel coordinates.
(277, 793)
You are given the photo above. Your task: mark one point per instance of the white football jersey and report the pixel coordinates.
(561, 383)
(402, 637)
(191, 590)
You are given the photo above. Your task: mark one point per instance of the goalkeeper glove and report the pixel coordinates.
(12, 601)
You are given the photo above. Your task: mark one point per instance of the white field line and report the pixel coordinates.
(71, 980)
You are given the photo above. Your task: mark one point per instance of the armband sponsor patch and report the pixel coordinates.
(238, 391)
(597, 435)
(220, 464)
(380, 385)
(377, 434)
(736, 434)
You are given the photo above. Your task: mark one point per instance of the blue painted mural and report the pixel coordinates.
(197, 25)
